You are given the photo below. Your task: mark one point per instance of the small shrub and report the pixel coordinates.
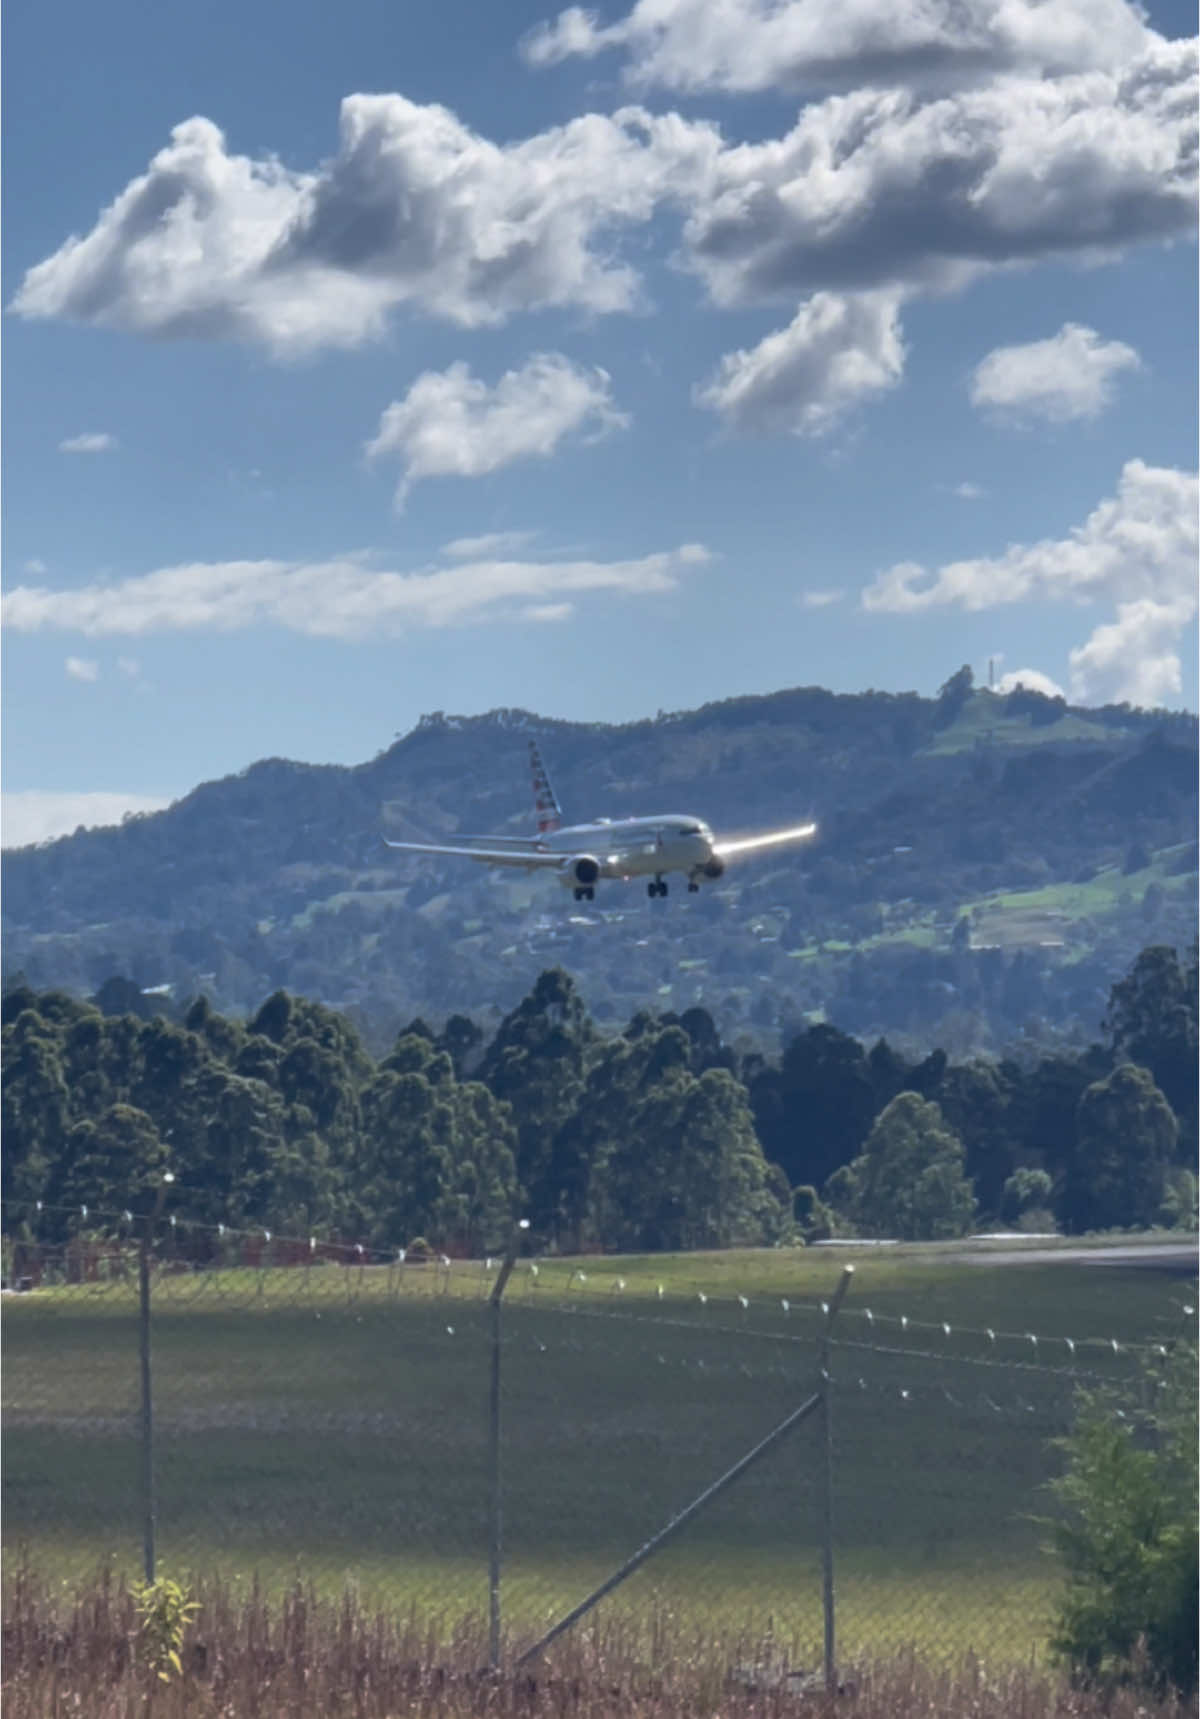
(164, 1610)
(1128, 1538)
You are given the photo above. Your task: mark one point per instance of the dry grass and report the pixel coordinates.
(75, 1653)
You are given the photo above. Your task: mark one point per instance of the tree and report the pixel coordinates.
(1127, 1537)
(1125, 1141)
(114, 1162)
(812, 1115)
(674, 1160)
(974, 1098)
(537, 1063)
(909, 1180)
(1026, 1199)
(462, 1041)
(1151, 1020)
(408, 1163)
(953, 695)
(35, 1109)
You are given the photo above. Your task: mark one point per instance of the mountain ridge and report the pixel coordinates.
(928, 809)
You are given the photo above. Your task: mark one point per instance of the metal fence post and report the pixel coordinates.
(148, 1510)
(495, 1520)
(827, 1523)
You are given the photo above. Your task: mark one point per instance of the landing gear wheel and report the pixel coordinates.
(657, 887)
(693, 887)
(652, 889)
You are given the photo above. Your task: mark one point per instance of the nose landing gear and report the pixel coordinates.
(657, 887)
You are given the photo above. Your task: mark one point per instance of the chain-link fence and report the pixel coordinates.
(209, 1400)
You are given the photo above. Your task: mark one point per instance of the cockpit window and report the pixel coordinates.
(690, 830)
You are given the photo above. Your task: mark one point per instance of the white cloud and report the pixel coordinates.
(1137, 550)
(450, 424)
(879, 188)
(490, 543)
(819, 599)
(92, 442)
(413, 209)
(38, 815)
(1133, 659)
(1033, 680)
(969, 491)
(747, 45)
(130, 667)
(548, 611)
(1068, 376)
(343, 598)
(836, 352)
(82, 668)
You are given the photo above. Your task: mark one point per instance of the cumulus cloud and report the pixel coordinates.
(91, 442)
(1069, 376)
(876, 188)
(1137, 550)
(490, 543)
(38, 815)
(747, 45)
(82, 668)
(413, 209)
(548, 611)
(1032, 680)
(451, 424)
(342, 599)
(837, 351)
(1133, 659)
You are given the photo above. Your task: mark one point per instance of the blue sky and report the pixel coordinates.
(598, 363)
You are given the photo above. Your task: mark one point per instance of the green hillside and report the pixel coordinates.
(1065, 838)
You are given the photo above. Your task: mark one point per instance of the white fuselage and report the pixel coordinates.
(637, 847)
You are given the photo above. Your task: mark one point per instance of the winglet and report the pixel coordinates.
(547, 810)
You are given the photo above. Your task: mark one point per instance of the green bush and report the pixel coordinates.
(1127, 1535)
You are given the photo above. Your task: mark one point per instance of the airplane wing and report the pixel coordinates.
(530, 858)
(772, 839)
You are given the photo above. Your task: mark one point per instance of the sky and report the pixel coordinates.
(367, 362)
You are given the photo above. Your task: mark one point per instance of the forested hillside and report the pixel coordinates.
(662, 1136)
(986, 867)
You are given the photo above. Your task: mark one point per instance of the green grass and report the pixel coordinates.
(983, 721)
(335, 1422)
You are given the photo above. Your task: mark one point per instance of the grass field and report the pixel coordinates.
(333, 1423)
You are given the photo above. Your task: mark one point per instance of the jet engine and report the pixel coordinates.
(714, 868)
(582, 871)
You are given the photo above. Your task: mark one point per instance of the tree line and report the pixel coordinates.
(659, 1137)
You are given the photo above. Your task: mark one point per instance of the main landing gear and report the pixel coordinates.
(657, 887)
(586, 894)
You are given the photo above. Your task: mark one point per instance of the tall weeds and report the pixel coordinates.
(250, 1655)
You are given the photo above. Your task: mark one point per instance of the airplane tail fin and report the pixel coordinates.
(547, 810)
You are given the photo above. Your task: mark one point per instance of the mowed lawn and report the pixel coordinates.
(334, 1424)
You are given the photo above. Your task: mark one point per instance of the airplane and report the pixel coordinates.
(582, 854)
